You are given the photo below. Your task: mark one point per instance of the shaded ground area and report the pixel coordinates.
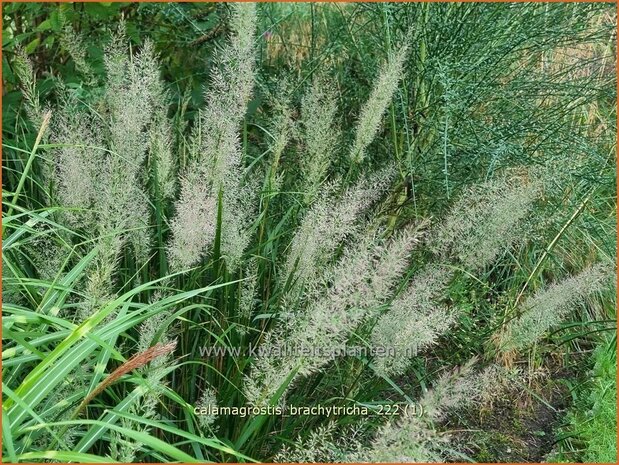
(518, 426)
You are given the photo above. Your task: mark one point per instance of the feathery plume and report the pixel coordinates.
(22, 66)
(145, 406)
(217, 162)
(411, 440)
(135, 362)
(453, 390)
(74, 44)
(326, 444)
(485, 221)
(414, 321)
(193, 227)
(392, 260)
(360, 282)
(129, 97)
(100, 161)
(320, 136)
(248, 290)
(207, 402)
(78, 164)
(323, 326)
(330, 221)
(549, 306)
(282, 129)
(373, 110)
(413, 437)
(161, 155)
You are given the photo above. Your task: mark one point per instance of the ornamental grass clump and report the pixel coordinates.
(335, 209)
(214, 175)
(486, 220)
